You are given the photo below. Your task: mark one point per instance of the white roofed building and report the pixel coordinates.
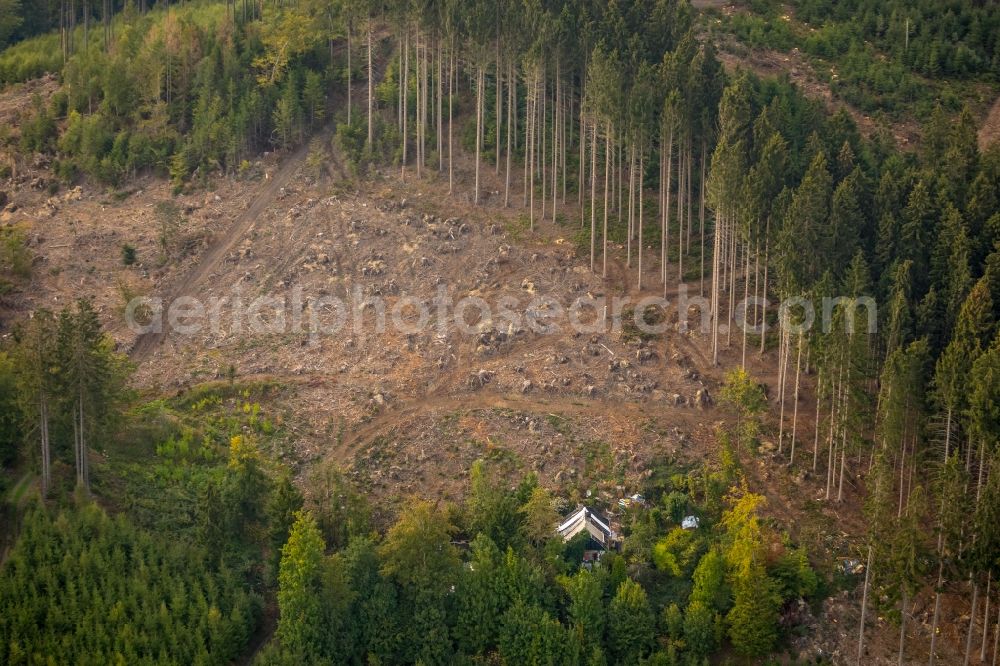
(583, 519)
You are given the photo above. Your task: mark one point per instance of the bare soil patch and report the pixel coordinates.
(989, 133)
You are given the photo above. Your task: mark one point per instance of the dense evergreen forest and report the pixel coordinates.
(891, 57)
(617, 121)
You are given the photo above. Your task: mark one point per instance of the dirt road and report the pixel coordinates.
(221, 246)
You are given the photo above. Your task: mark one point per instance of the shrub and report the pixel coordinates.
(38, 132)
(351, 140)
(168, 219)
(15, 257)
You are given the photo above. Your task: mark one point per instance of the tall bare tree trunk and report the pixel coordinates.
(819, 385)
(371, 83)
(555, 143)
(542, 144)
(660, 197)
(715, 287)
(63, 42)
(620, 172)
(451, 110)
(666, 209)
(529, 142)
(629, 232)
(680, 210)
(348, 72)
(763, 316)
(424, 102)
(440, 104)
(902, 627)
(479, 126)
(972, 623)
(843, 462)
(986, 616)
(582, 175)
(746, 294)
(937, 600)
(531, 145)
(864, 608)
(511, 86)
(642, 158)
(404, 93)
(783, 346)
(593, 193)
(795, 406)
(996, 637)
(756, 278)
(687, 180)
(418, 121)
(732, 284)
(72, 26)
(832, 441)
(701, 214)
(607, 174)
(499, 106)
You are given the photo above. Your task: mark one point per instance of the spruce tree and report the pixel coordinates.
(302, 617)
(90, 380)
(36, 364)
(753, 619)
(630, 624)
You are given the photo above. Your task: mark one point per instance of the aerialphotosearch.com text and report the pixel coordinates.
(355, 312)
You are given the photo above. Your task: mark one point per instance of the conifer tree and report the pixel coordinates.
(972, 330)
(954, 511)
(586, 608)
(90, 380)
(283, 503)
(301, 592)
(753, 619)
(36, 368)
(477, 601)
(630, 624)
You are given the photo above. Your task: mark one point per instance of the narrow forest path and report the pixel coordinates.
(558, 405)
(223, 245)
(989, 133)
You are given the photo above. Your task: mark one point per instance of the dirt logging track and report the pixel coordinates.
(599, 406)
(425, 404)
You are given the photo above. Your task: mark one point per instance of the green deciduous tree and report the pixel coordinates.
(747, 398)
(529, 635)
(492, 509)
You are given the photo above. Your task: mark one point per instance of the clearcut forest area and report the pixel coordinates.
(510, 332)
